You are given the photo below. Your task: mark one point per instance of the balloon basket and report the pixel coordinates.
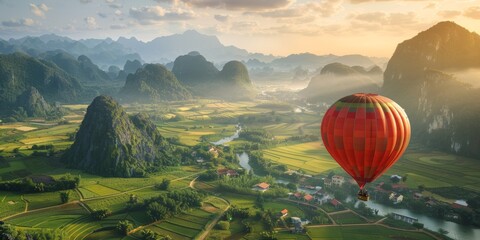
(363, 195)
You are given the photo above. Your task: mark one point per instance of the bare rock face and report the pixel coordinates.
(445, 46)
(33, 103)
(421, 77)
(111, 143)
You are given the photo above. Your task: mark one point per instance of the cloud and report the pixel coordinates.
(307, 30)
(364, 1)
(327, 8)
(449, 14)
(39, 9)
(167, 1)
(102, 15)
(91, 22)
(386, 19)
(247, 5)
(431, 5)
(323, 8)
(244, 26)
(151, 14)
(118, 26)
(118, 12)
(222, 18)
(472, 12)
(115, 5)
(19, 23)
(380, 21)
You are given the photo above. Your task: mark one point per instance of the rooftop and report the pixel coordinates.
(263, 185)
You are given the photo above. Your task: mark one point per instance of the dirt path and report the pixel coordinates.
(212, 224)
(313, 206)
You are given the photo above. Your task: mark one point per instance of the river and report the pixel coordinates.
(243, 157)
(455, 231)
(229, 139)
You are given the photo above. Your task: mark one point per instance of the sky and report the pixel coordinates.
(278, 27)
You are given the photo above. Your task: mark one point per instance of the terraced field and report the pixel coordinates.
(311, 157)
(59, 218)
(436, 169)
(113, 203)
(184, 226)
(374, 232)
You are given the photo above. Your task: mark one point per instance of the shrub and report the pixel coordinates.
(223, 225)
(124, 227)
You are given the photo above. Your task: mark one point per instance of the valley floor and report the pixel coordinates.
(207, 121)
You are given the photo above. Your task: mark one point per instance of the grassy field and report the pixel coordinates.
(310, 157)
(437, 169)
(41, 200)
(293, 209)
(373, 232)
(11, 203)
(347, 218)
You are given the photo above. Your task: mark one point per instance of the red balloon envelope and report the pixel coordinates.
(366, 134)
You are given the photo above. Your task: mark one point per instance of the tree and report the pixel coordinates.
(395, 179)
(474, 202)
(156, 211)
(101, 214)
(124, 227)
(65, 196)
(387, 186)
(163, 185)
(404, 178)
(133, 199)
(223, 225)
(77, 180)
(150, 235)
(442, 231)
(421, 188)
(271, 235)
(417, 225)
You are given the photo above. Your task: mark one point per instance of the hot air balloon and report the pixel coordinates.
(366, 134)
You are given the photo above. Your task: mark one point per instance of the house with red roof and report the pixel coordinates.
(227, 172)
(284, 212)
(297, 195)
(335, 203)
(262, 187)
(308, 198)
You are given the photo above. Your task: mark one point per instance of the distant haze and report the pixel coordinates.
(367, 27)
(469, 76)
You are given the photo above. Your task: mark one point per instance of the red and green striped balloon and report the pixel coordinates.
(366, 134)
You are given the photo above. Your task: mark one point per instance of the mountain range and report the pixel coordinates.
(20, 72)
(108, 52)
